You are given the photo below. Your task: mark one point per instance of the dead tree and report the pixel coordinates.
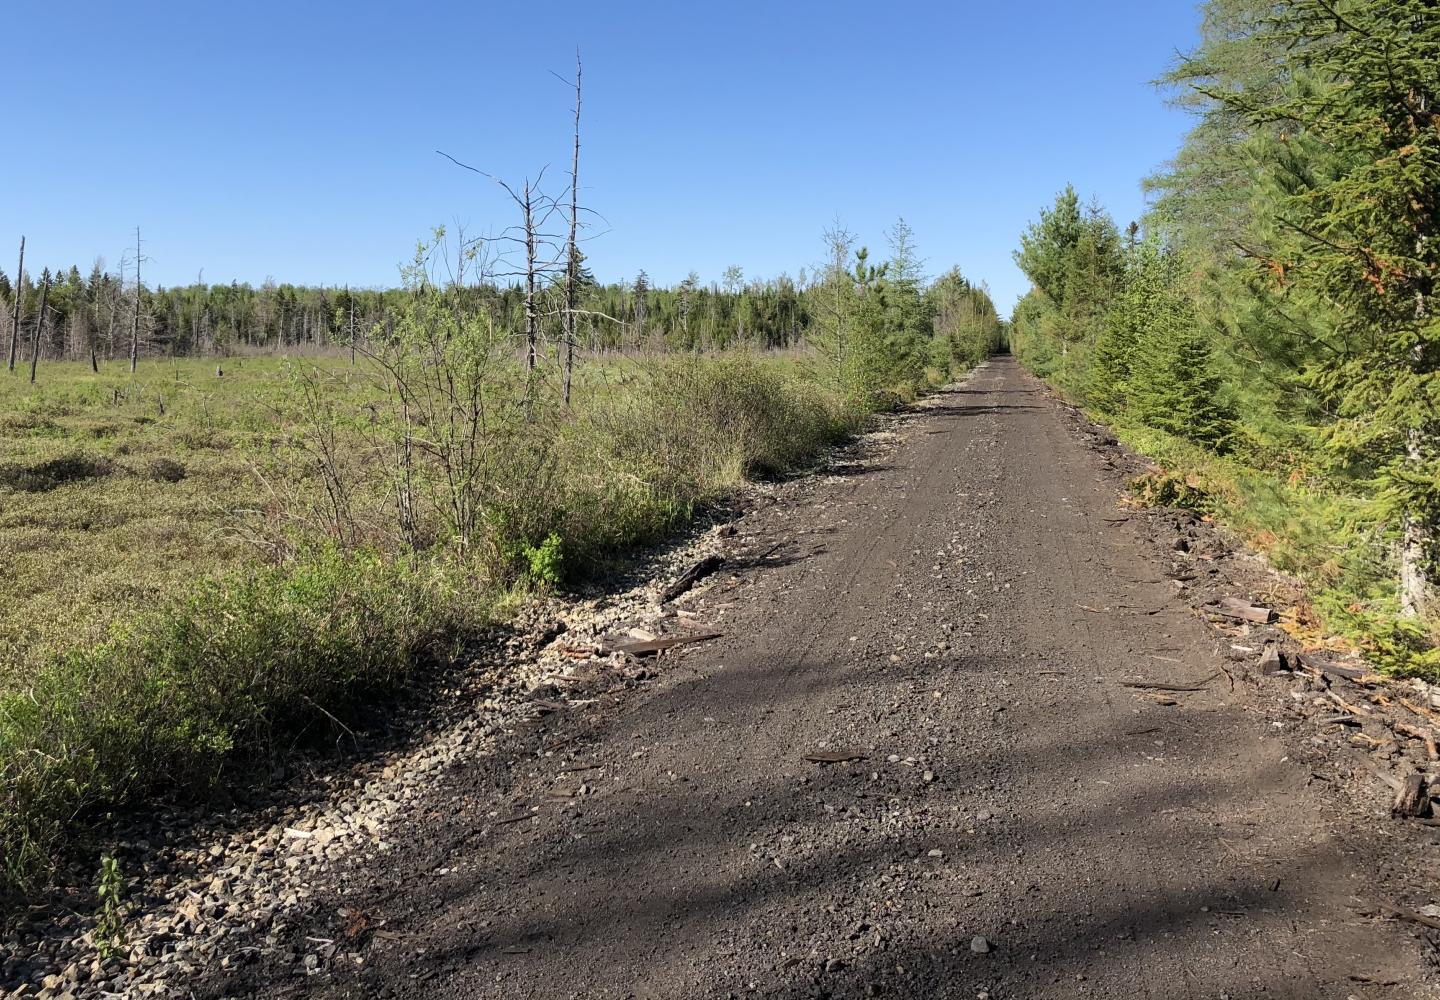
(135, 322)
(532, 322)
(15, 314)
(350, 300)
(39, 325)
(536, 210)
(572, 255)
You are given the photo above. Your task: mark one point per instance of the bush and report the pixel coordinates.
(180, 698)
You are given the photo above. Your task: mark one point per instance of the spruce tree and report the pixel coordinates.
(1364, 239)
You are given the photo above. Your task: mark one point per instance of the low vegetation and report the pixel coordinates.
(1269, 332)
(214, 561)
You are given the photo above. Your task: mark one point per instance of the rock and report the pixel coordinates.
(979, 945)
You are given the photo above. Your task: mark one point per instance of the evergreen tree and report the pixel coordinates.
(1365, 237)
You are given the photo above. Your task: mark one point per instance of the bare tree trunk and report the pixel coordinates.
(15, 315)
(1415, 535)
(135, 323)
(350, 299)
(572, 266)
(531, 317)
(39, 324)
(1414, 582)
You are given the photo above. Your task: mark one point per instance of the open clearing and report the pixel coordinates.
(1015, 822)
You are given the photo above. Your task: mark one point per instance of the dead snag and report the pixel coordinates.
(39, 325)
(15, 312)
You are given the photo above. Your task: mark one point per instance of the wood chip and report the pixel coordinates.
(1425, 735)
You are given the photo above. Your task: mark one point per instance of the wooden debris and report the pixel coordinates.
(691, 576)
(1272, 661)
(1421, 710)
(1425, 735)
(1402, 913)
(1349, 708)
(1161, 699)
(1234, 607)
(835, 756)
(1319, 667)
(1161, 686)
(1411, 798)
(577, 652)
(515, 819)
(650, 647)
(1367, 742)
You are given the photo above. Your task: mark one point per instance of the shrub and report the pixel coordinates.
(176, 700)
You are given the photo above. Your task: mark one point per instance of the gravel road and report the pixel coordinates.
(957, 615)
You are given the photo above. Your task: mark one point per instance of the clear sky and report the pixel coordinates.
(296, 140)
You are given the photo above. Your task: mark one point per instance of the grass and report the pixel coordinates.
(107, 504)
(204, 569)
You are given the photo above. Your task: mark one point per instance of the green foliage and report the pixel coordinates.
(1300, 333)
(1075, 263)
(546, 561)
(110, 920)
(878, 328)
(221, 677)
(348, 520)
(967, 326)
(1166, 489)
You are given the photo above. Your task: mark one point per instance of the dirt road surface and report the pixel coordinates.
(1017, 824)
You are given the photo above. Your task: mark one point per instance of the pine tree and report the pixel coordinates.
(1139, 304)
(1172, 383)
(1364, 237)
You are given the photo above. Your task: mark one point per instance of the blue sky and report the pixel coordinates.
(297, 140)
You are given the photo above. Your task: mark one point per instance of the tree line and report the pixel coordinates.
(1275, 303)
(92, 313)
